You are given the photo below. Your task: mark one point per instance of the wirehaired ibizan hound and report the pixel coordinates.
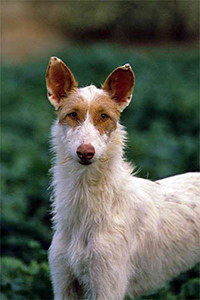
(115, 234)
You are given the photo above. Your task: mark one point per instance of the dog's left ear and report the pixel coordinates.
(119, 85)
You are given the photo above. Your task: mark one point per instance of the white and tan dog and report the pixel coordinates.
(115, 234)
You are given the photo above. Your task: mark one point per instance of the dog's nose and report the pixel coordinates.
(85, 152)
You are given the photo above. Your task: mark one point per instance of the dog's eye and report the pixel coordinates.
(72, 115)
(104, 117)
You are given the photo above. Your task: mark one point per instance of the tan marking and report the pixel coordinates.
(100, 104)
(191, 220)
(73, 103)
(192, 205)
(172, 198)
(103, 104)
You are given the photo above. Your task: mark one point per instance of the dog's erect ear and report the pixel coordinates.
(119, 85)
(60, 81)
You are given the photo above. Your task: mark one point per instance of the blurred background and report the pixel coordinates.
(160, 40)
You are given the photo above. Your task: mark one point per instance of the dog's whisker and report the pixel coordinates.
(106, 159)
(66, 159)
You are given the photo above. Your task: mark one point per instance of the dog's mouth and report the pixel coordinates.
(85, 162)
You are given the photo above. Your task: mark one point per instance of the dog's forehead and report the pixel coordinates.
(89, 93)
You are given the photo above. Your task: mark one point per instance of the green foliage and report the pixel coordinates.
(22, 281)
(162, 125)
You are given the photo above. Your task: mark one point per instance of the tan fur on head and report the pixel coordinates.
(101, 104)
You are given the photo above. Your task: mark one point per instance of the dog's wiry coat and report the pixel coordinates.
(114, 233)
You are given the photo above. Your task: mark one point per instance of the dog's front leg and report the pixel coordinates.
(65, 285)
(58, 268)
(109, 278)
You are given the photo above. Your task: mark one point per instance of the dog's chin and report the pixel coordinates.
(85, 163)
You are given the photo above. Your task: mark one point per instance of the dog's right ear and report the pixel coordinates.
(60, 81)
(119, 84)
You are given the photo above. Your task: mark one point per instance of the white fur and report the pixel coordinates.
(115, 233)
(90, 92)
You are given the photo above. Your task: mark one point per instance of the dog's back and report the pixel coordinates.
(172, 246)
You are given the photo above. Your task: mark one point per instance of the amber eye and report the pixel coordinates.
(72, 115)
(104, 117)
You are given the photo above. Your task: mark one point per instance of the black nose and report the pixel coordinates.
(85, 152)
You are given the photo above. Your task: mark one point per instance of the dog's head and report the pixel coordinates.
(88, 116)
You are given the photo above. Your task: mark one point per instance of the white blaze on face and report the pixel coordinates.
(86, 133)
